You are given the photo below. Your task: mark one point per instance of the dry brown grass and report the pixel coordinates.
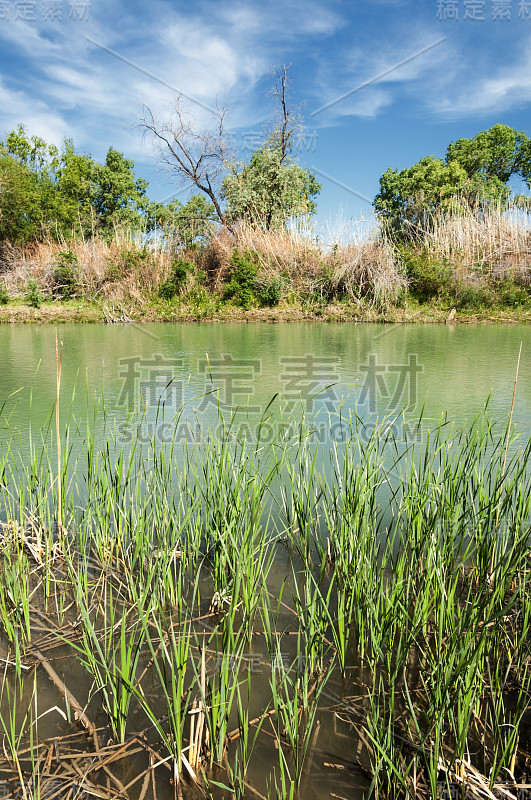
(277, 252)
(367, 267)
(105, 270)
(491, 243)
(477, 245)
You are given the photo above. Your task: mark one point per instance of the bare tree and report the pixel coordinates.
(202, 160)
(196, 159)
(287, 119)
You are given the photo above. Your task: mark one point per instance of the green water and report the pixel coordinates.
(322, 371)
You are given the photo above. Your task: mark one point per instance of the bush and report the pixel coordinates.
(427, 277)
(177, 280)
(131, 264)
(201, 277)
(241, 288)
(133, 260)
(269, 293)
(65, 275)
(513, 293)
(325, 287)
(473, 298)
(33, 297)
(4, 297)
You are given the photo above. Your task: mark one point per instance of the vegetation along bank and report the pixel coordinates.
(80, 240)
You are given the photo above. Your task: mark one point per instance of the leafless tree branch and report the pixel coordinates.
(287, 117)
(195, 159)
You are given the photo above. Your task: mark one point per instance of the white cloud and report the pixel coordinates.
(39, 120)
(219, 53)
(362, 87)
(482, 88)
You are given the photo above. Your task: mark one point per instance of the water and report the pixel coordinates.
(371, 370)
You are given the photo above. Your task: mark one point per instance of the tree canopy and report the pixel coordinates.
(476, 170)
(45, 191)
(270, 189)
(267, 191)
(187, 224)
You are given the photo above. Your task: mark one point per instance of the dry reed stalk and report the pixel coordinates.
(100, 267)
(197, 724)
(487, 242)
(363, 267)
(192, 750)
(367, 268)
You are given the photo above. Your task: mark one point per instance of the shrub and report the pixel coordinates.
(427, 276)
(513, 293)
(65, 274)
(133, 268)
(201, 277)
(269, 293)
(4, 297)
(470, 297)
(33, 296)
(325, 287)
(241, 288)
(133, 260)
(177, 280)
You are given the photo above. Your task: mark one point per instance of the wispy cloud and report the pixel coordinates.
(376, 72)
(59, 84)
(20, 107)
(482, 87)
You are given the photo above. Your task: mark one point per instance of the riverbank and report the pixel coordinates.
(59, 312)
(468, 269)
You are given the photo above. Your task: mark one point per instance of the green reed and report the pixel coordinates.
(411, 558)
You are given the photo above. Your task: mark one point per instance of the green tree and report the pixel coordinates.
(270, 189)
(31, 152)
(76, 186)
(119, 197)
(47, 192)
(475, 170)
(495, 153)
(28, 202)
(408, 198)
(21, 211)
(185, 224)
(267, 191)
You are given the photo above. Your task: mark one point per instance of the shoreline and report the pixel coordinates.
(332, 313)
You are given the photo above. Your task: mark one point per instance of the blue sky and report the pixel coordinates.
(83, 70)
